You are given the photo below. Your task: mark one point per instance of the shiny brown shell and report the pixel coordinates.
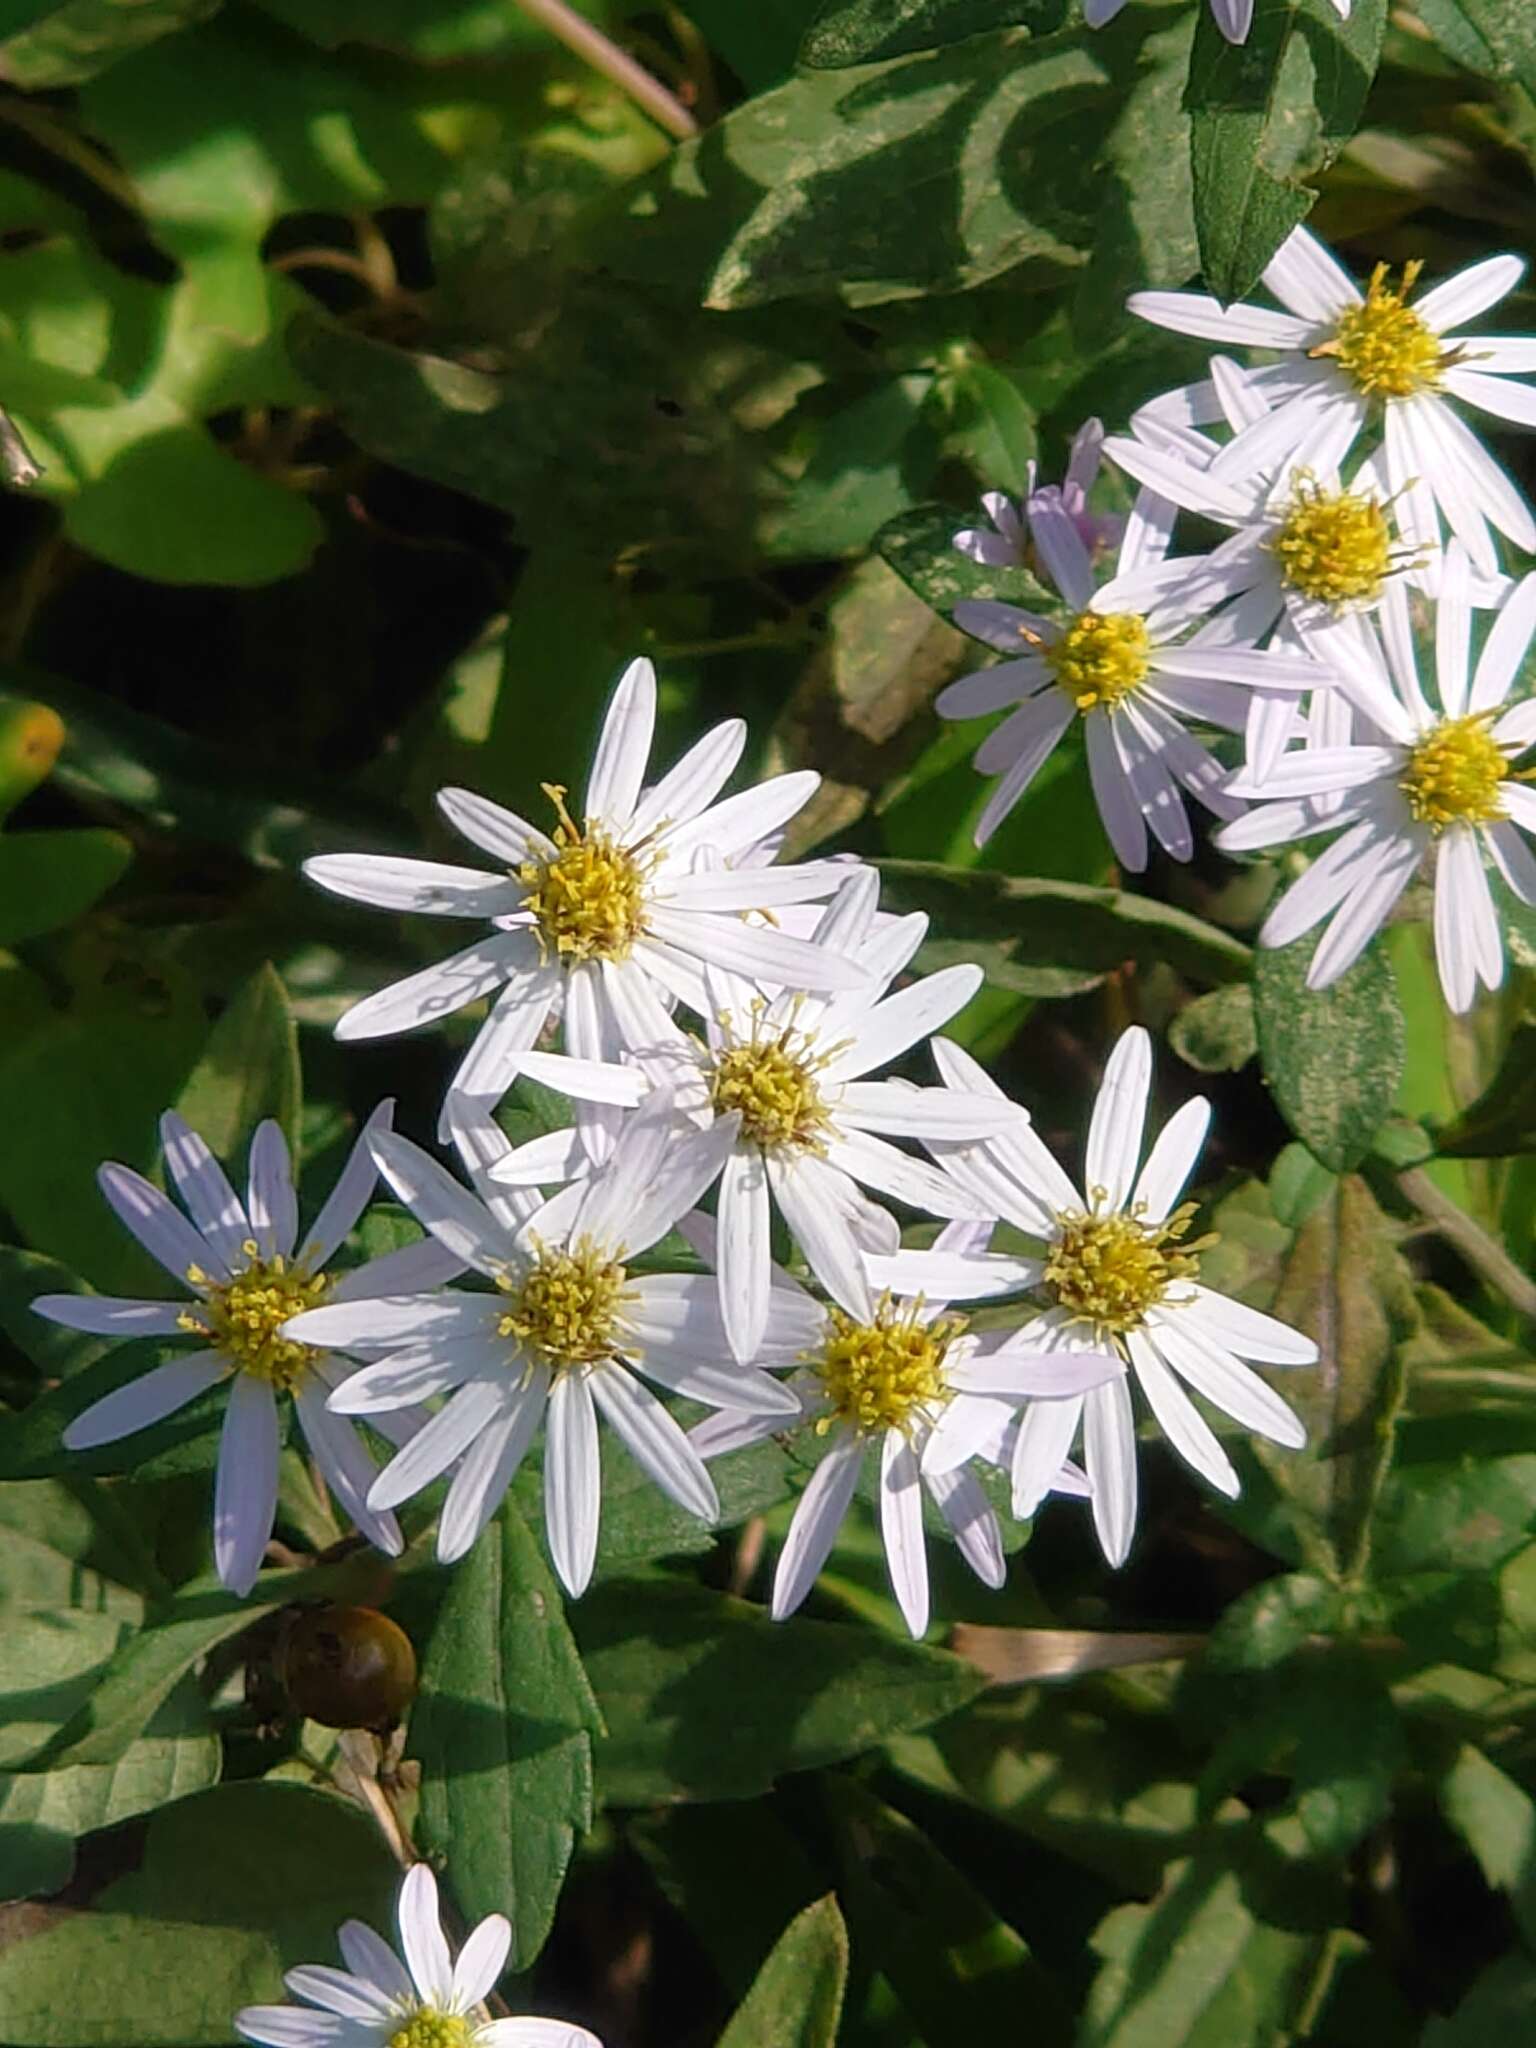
(348, 1667)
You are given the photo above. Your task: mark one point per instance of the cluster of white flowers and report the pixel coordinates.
(1363, 513)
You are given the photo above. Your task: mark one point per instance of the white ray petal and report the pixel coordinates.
(572, 1481)
(149, 1398)
(1109, 1452)
(817, 1518)
(245, 1486)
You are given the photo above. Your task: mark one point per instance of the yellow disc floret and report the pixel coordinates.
(588, 901)
(428, 2028)
(1455, 775)
(1100, 658)
(1108, 1267)
(882, 1375)
(566, 1308)
(242, 1317)
(772, 1083)
(1334, 546)
(1382, 345)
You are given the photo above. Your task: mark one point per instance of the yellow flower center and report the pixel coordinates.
(241, 1317)
(1101, 658)
(1454, 773)
(772, 1082)
(1108, 1268)
(1334, 546)
(1382, 345)
(566, 1308)
(875, 1374)
(428, 2028)
(588, 901)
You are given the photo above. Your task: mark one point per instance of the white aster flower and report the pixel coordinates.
(1233, 17)
(246, 1279)
(566, 1332)
(1385, 361)
(624, 888)
(1004, 544)
(880, 1381)
(1117, 1274)
(812, 1128)
(427, 2001)
(1125, 663)
(1442, 781)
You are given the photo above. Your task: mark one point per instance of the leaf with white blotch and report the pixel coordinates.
(1334, 1056)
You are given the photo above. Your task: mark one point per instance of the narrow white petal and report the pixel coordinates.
(1016, 1372)
(630, 1207)
(623, 748)
(1022, 772)
(1118, 809)
(1338, 870)
(655, 1440)
(1308, 280)
(1046, 1432)
(1469, 292)
(534, 2033)
(1178, 1418)
(968, 1426)
(992, 689)
(870, 1160)
(413, 1269)
(950, 1275)
(350, 1194)
(1119, 1114)
(291, 2026)
(367, 1954)
(1468, 946)
(806, 1191)
(1445, 438)
(692, 783)
(757, 951)
(424, 887)
(436, 992)
(1109, 1452)
(1171, 1160)
(741, 889)
(739, 822)
(481, 1962)
(149, 1398)
(494, 829)
(487, 1470)
(417, 1372)
(895, 1109)
(104, 1315)
(1234, 326)
(1453, 631)
(421, 1937)
(271, 1204)
(159, 1225)
(1359, 919)
(1247, 1331)
(516, 1019)
(572, 1481)
(245, 1488)
(1511, 856)
(1061, 548)
(437, 1201)
(1505, 648)
(817, 1518)
(966, 1509)
(744, 1255)
(345, 1465)
(439, 1442)
(901, 1528)
(1227, 1384)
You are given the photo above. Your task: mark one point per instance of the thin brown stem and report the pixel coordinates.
(590, 44)
(71, 148)
(1483, 1253)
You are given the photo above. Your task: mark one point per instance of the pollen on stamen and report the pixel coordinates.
(429, 2028)
(1455, 775)
(1334, 547)
(566, 1309)
(1101, 658)
(1108, 1267)
(772, 1083)
(243, 1317)
(887, 1374)
(1382, 345)
(588, 901)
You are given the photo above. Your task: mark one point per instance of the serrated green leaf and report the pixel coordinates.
(864, 31)
(48, 878)
(796, 1998)
(1064, 924)
(503, 1729)
(1333, 1057)
(705, 1698)
(249, 1069)
(1266, 116)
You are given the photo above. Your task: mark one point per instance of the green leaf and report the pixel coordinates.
(64, 42)
(43, 1813)
(861, 31)
(1064, 924)
(1333, 1057)
(790, 195)
(52, 1554)
(1345, 1284)
(1496, 1818)
(503, 1727)
(1349, 1748)
(1495, 37)
(1497, 2008)
(237, 1884)
(1503, 1118)
(53, 1350)
(920, 546)
(32, 1445)
(1216, 1033)
(49, 878)
(957, 1966)
(1221, 1958)
(993, 427)
(866, 464)
(1265, 118)
(705, 1698)
(1268, 1624)
(797, 1996)
(249, 1069)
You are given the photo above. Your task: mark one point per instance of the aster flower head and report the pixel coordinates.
(1004, 542)
(1119, 1272)
(246, 1273)
(812, 1126)
(1126, 663)
(1233, 17)
(428, 2000)
(567, 1331)
(1439, 786)
(879, 1382)
(640, 889)
(1390, 360)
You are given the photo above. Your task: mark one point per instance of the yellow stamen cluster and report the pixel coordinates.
(1100, 658)
(566, 1308)
(877, 1374)
(428, 2028)
(1382, 345)
(1107, 1268)
(241, 1317)
(1454, 775)
(1334, 546)
(772, 1082)
(588, 902)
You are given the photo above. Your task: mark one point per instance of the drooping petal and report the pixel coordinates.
(245, 1488)
(1178, 1418)
(817, 1518)
(655, 1440)
(488, 1468)
(1109, 1452)
(572, 1481)
(901, 1528)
